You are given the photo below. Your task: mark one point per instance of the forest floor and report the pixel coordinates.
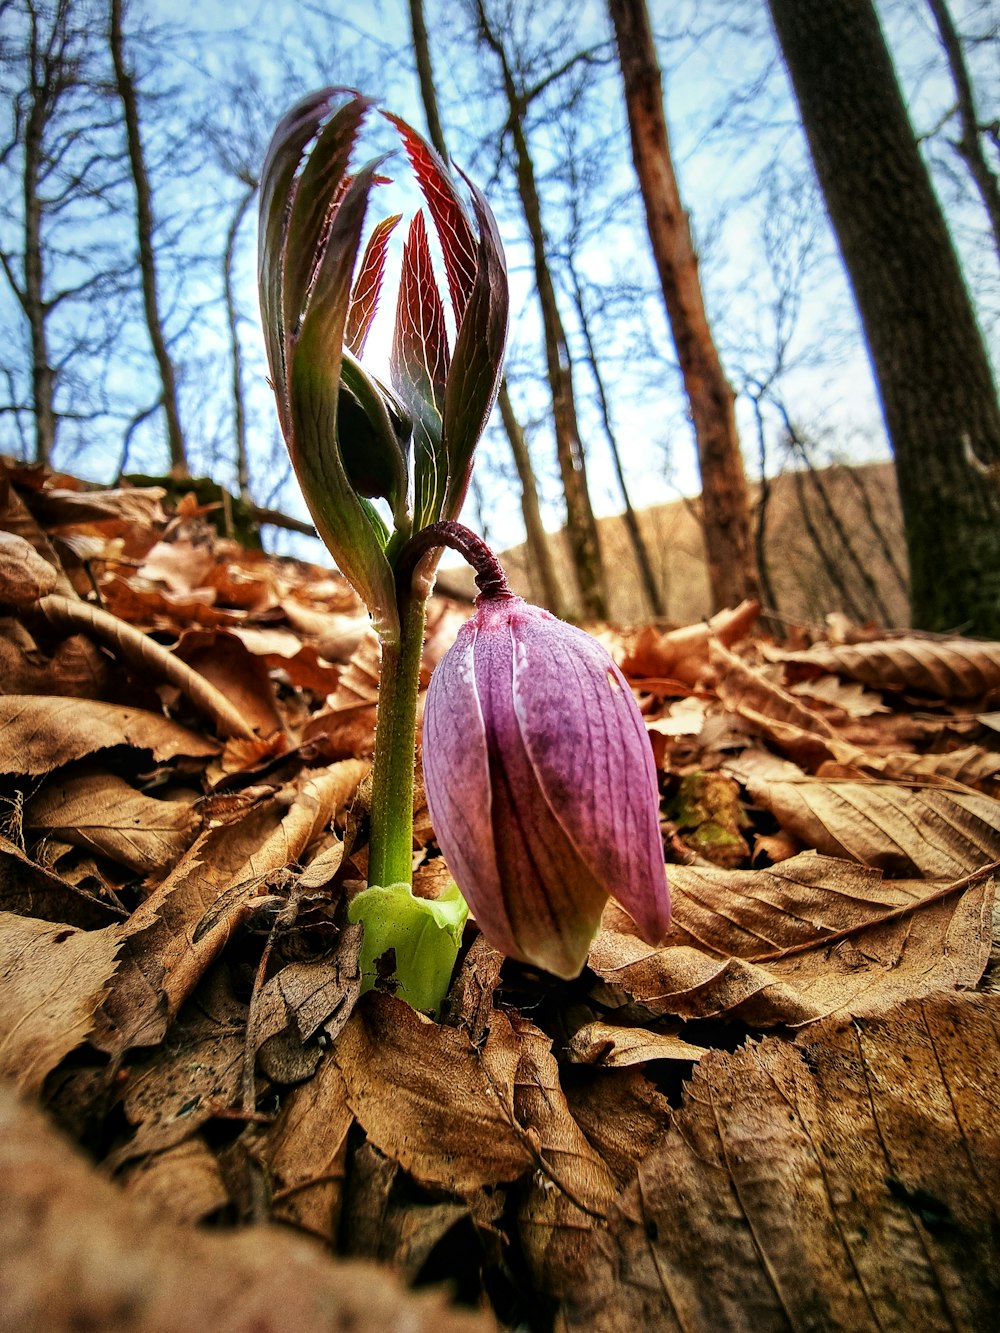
(786, 1117)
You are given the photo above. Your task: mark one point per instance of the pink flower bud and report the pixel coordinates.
(541, 785)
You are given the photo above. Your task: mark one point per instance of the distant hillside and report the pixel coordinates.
(833, 542)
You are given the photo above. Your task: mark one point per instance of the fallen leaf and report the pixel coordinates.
(102, 813)
(25, 576)
(901, 829)
(623, 1115)
(854, 700)
(39, 733)
(948, 668)
(75, 1253)
(35, 891)
(682, 655)
(611, 1047)
(940, 939)
(52, 980)
(182, 1183)
(850, 1182)
(431, 1101)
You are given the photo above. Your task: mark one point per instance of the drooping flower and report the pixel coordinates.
(541, 785)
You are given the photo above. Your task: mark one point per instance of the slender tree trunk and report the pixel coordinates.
(232, 319)
(934, 377)
(580, 522)
(147, 259)
(970, 143)
(631, 519)
(538, 544)
(729, 547)
(32, 296)
(538, 547)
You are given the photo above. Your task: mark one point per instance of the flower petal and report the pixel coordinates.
(592, 761)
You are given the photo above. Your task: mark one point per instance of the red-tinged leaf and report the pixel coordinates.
(368, 285)
(458, 244)
(419, 364)
(478, 359)
(318, 195)
(284, 157)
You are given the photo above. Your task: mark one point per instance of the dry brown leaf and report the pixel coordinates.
(949, 668)
(612, 1047)
(76, 666)
(431, 1101)
(306, 1153)
(128, 506)
(39, 733)
(572, 1188)
(854, 700)
(225, 871)
(103, 814)
(183, 1183)
(33, 890)
(940, 939)
(75, 1253)
(52, 979)
(802, 901)
(748, 691)
(224, 660)
(24, 575)
(849, 1183)
(681, 655)
(623, 1115)
(929, 831)
(971, 765)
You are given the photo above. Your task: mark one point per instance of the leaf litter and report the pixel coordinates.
(782, 1117)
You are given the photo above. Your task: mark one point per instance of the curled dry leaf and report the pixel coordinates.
(75, 1253)
(681, 655)
(36, 891)
(39, 733)
(183, 1183)
(948, 668)
(619, 1047)
(903, 830)
(847, 1183)
(938, 940)
(52, 980)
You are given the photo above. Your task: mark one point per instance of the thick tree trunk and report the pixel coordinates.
(934, 378)
(580, 522)
(147, 258)
(729, 547)
(969, 144)
(538, 546)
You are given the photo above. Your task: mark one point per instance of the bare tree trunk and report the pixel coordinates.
(32, 296)
(147, 260)
(646, 575)
(232, 319)
(729, 549)
(580, 522)
(934, 377)
(970, 145)
(538, 546)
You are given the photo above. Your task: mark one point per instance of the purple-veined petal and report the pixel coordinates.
(457, 781)
(593, 762)
(552, 899)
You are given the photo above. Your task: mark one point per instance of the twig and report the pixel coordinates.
(145, 653)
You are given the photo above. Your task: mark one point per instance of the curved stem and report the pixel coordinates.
(490, 578)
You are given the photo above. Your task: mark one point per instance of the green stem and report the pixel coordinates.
(390, 853)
